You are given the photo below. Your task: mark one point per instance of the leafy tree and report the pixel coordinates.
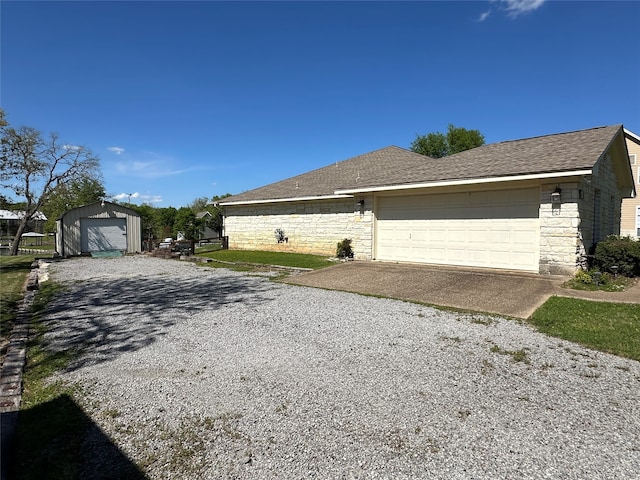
(438, 145)
(149, 221)
(5, 203)
(33, 166)
(78, 192)
(165, 220)
(217, 217)
(203, 204)
(187, 223)
(199, 205)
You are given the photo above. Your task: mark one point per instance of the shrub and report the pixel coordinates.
(344, 249)
(622, 252)
(583, 276)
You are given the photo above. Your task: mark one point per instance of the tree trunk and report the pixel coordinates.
(16, 240)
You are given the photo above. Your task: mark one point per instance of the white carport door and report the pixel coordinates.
(494, 229)
(103, 234)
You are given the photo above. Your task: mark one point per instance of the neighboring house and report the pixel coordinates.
(630, 221)
(98, 227)
(206, 232)
(536, 205)
(9, 221)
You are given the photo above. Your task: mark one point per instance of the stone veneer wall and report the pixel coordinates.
(567, 228)
(560, 244)
(608, 216)
(312, 226)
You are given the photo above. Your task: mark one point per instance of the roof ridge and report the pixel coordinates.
(554, 134)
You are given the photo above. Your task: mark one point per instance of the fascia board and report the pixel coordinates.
(282, 200)
(473, 181)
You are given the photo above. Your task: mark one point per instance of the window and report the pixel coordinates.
(638, 221)
(633, 162)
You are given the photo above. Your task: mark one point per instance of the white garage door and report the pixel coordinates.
(495, 229)
(103, 234)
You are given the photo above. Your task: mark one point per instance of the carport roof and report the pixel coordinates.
(395, 167)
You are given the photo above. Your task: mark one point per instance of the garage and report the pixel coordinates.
(493, 229)
(98, 227)
(103, 234)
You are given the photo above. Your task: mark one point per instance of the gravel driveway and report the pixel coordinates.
(206, 373)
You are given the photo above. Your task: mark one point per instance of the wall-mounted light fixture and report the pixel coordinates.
(102, 203)
(361, 203)
(556, 195)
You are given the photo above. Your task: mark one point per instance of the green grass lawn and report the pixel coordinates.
(13, 273)
(609, 327)
(299, 260)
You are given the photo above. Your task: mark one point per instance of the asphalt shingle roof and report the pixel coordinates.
(395, 166)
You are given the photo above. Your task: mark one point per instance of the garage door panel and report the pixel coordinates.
(489, 229)
(103, 234)
(457, 254)
(476, 235)
(479, 255)
(457, 236)
(524, 238)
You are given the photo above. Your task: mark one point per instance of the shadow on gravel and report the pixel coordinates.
(57, 439)
(97, 320)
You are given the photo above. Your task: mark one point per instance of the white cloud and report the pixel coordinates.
(150, 165)
(72, 147)
(143, 198)
(484, 16)
(513, 8)
(151, 198)
(126, 196)
(116, 150)
(518, 7)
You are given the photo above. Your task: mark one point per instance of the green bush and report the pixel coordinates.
(622, 252)
(344, 249)
(583, 276)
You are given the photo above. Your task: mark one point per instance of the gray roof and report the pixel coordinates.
(19, 215)
(395, 166)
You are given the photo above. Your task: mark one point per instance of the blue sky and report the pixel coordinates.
(182, 100)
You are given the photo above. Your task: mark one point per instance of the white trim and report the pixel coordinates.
(281, 200)
(472, 181)
(632, 135)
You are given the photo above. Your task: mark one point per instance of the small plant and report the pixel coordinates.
(596, 280)
(344, 249)
(486, 366)
(280, 237)
(583, 276)
(482, 320)
(516, 355)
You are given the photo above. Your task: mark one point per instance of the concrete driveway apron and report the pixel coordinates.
(513, 294)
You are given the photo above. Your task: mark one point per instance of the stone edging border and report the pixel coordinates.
(13, 368)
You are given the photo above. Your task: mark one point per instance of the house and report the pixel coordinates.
(630, 219)
(535, 205)
(10, 220)
(206, 232)
(98, 227)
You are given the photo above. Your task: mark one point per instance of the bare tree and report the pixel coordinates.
(33, 167)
